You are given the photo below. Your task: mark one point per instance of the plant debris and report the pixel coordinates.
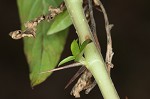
(83, 83)
(30, 26)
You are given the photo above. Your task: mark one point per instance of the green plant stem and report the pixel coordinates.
(94, 60)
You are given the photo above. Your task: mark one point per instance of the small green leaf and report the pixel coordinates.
(61, 22)
(84, 44)
(69, 58)
(80, 57)
(75, 48)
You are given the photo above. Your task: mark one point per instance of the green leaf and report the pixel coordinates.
(42, 52)
(69, 58)
(75, 48)
(79, 57)
(84, 44)
(61, 22)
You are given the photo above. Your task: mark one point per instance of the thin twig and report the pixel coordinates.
(93, 25)
(80, 71)
(64, 67)
(108, 27)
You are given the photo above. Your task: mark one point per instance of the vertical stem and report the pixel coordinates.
(94, 60)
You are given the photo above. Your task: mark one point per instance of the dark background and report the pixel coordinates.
(130, 35)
